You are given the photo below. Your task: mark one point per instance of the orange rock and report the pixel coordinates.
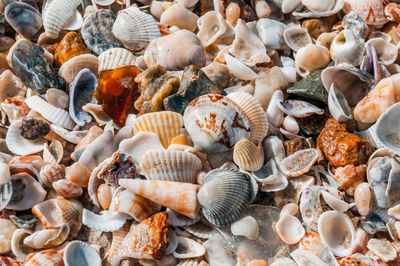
(70, 46)
(3, 63)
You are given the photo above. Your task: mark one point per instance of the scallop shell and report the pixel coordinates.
(255, 112)
(136, 206)
(114, 58)
(190, 248)
(338, 106)
(135, 29)
(165, 124)
(225, 195)
(388, 128)
(80, 253)
(51, 113)
(248, 156)
(57, 14)
(18, 144)
(117, 237)
(299, 162)
(371, 11)
(289, 229)
(48, 257)
(171, 165)
(238, 69)
(70, 69)
(215, 123)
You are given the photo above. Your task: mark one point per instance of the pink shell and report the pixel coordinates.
(371, 11)
(67, 188)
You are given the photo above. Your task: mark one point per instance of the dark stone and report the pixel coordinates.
(194, 83)
(32, 67)
(310, 87)
(23, 18)
(312, 125)
(34, 128)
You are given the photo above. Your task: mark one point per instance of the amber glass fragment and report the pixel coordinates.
(116, 92)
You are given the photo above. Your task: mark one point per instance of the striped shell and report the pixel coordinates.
(225, 195)
(53, 153)
(248, 156)
(136, 206)
(67, 189)
(255, 113)
(299, 162)
(135, 29)
(48, 257)
(371, 11)
(117, 237)
(57, 15)
(215, 123)
(171, 165)
(80, 253)
(71, 214)
(51, 113)
(70, 69)
(114, 58)
(165, 124)
(51, 173)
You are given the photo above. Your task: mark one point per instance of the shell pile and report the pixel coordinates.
(199, 132)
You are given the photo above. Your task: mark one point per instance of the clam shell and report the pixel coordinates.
(18, 144)
(238, 69)
(114, 58)
(165, 124)
(299, 162)
(178, 15)
(104, 222)
(171, 165)
(51, 113)
(296, 38)
(225, 195)
(48, 257)
(388, 128)
(135, 29)
(311, 58)
(338, 106)
(80, 253)
(248, 156)
(57, 14)
(136, 206)
(70, 69)
(215, 123)
(255, 112)
(188, 248)
(290, 229)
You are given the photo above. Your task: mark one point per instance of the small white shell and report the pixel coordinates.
(104, 222)
(387, 52)
(17, 248)
(71, 136)
(338, 106)
(75, 23)
(190, 248)
(97, 112)
(347, 48)
(335, 203)
(238, 69)
(246, 226)
(296, 38)
(178, 15)
(289, 229)
(114, 58)
(311, 57)
(290, 124)
(80, 253)
(213, 28)
(18, 144)
(274, 113)
(383, 249)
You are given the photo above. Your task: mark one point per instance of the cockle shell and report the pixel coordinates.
(135, 29)
(387, 129)
(51, 113)
(296, 38)
(188, 248)
(80, 253)
(170, 165)
(51, 173)
(248, 156)
(117, 237)
(255, 113)
(215, 123)
(213, 28)
(347, 48)
(114, 58)
(311, 58)
(383, 249)
(134, 205)
(290, 229)
(48, 257)
(371, 11)
(338, 105)
(70, 69)
(225, 195)
(57, 14)
(178, 15)
(299, 162)
(238, 69)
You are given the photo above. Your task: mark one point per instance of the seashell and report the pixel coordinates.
(17, 248)
(75, 23)
(296, 38)
(71, 136)
(394, 211)
(78, 173)
(80, 253)
(337, 7)
(378, 174)
(51, 113)
(57, 14)
(117, 237)
(158, 7)
(176, 51)
(337, 232)
(25, 221)
(17, 144)
(215, 196)
(289, 209)
(335, 202)
(386, 51)
(386, 132)
(6, 233)
(218, 251)
(270, 178)
(247, 47)
(363, 199)
(284, 261)
(70, 69)
(105, 222)
(188, 248)
(51, 173)
(383, 249)
(176, 219)
(274, 113)
(371, 11)
(325, 39)
(219, 74)
(290, 124)
(192, 263)
(310, 206)
(67, 188)
(255, 113)
(57, 97)
(70, 213)
(305, 257)
(154, 190)
(136, 206)
(169, 165)
(4, 173)
(299, 162)
(104, 195)
(274, 149)
(311, 57)
(201, 230)
(271, 33)
(228, 123)
(290, 5)
(338, 105)
(246, 226)
(248, 156)
(97, 112)
(213, 28)
(178, 15)
(289, 229)
(114, 58)
(318, 7)
(347, 48)
(46, 237)
(23, 18)
(238, 69)
(165, 124)
(14, 108)
(48, 257)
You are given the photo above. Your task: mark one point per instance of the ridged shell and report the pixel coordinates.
(80, 253)
(51, 113)
(388, 129)
(165, 124)
(6, 194)
(70, 69)
(335, 202)
(135, 29)
(255, 113)
(225, 195)
(48, 257)
(71, 213)
(57, 15)
(117, 237)
(215, 123)
(371, 11)
(51, 173)
(136, 206)
(171, 165)
(18, 144)
(299, 162)
(114, 58)
(248, 156)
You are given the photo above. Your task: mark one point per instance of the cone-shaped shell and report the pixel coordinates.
(248, 156)
(299, 162)
(215, 123)
(115, 57)
(177, 196)
(171, 165)
(70, 69)
(255, 113)
(136, 206)
(225, 195)
(57, 14)
(165, 124)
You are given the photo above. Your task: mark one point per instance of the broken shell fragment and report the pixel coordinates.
(299, 162)
(188, 248)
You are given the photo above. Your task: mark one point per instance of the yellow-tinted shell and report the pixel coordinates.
(78, 173)
(248, 156)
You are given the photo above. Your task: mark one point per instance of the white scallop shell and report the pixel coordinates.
(51, 113)
(18, 144)
(115, 57)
